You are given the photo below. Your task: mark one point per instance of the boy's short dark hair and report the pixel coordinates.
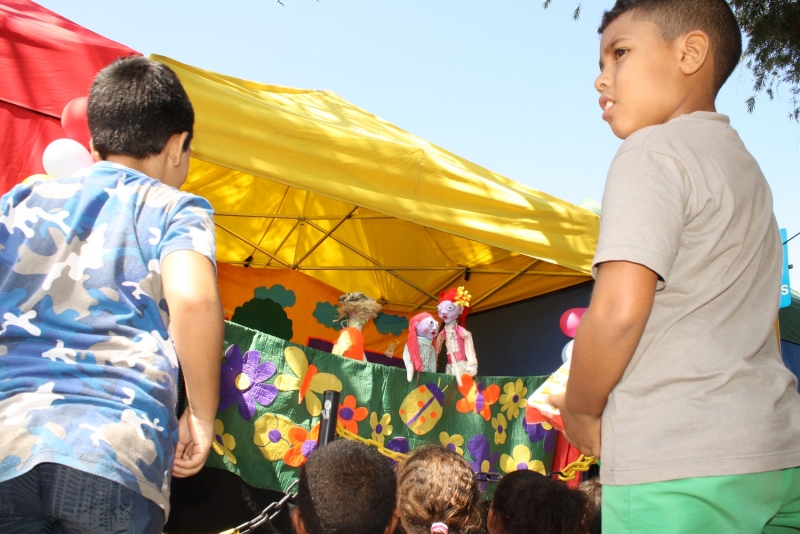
(346, 488)
(525, 498)
(677, 17)
(135, 106)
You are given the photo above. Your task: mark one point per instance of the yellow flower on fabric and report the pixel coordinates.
(271, 435)
(453, 443)
(500, 429)
(382, 428)
(307, 380)
(513, 399)
(521, 459)
(223, 443)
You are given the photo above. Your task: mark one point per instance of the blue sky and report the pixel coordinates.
(506, 85)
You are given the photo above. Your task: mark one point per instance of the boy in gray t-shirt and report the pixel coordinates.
(676, 363)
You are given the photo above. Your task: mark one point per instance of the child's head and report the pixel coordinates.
(436, 486)
(524, 498)
(594, 492)
(346, 488)
(138, 110)
(660, 59)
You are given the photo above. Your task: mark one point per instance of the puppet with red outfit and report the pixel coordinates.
(453, 309)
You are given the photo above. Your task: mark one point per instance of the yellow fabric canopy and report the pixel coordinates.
(303, 179)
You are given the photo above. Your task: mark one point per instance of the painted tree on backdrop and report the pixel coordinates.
(772, 28)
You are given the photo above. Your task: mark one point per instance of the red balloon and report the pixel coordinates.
(570, 320)
(75, 122)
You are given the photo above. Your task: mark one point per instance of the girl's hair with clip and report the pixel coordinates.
(437, 493)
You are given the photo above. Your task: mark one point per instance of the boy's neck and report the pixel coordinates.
(147, 166)
(170, 166)
(693, 104)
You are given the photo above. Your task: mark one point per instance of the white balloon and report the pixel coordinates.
(566, 352)
(65, 157)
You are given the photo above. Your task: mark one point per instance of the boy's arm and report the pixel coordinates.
(196, 330)
(604, 344)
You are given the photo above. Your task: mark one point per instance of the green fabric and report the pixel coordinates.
(738, 504)
(790, 320)
(257, 449)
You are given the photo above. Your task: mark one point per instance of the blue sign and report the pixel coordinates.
(786, 294)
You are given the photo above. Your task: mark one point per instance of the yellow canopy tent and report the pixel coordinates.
(305, 180)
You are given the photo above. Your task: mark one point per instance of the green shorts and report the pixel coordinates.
(747, 504)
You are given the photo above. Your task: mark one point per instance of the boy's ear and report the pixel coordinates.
(297, 522)
(95, 153)
(175, 150)
(695, 49)
(392, 526)
(490, 520)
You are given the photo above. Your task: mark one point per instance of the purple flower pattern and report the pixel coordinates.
(242, 382)
(397, 445)
(484, 460)
(537, 432)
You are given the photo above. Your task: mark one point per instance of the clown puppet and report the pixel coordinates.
(419, 354)
(357, 308)
(453, 309)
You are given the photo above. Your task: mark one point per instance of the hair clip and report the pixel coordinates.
(439, 528)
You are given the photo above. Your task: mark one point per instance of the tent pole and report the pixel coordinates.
(298, 217)
(302, 221)
(325, 236)
(407, 305)
(504, 284)
(258, 248)
(272, 223)
(368, 258)
(376, 268)
(415, 269)
(442, 288)
(285, 238)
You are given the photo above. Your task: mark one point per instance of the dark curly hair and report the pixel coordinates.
(346, 488)
(436, 485)
(677, 17)
(526, 501)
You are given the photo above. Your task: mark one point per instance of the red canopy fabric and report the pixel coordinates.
(45, 61)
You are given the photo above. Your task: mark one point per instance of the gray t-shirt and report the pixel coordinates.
(706, 392)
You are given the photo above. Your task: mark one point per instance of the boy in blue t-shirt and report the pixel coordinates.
(107, 281)
(676, 379)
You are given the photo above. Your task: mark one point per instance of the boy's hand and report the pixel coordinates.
(195, 436)
(582, 431)
(196, 329)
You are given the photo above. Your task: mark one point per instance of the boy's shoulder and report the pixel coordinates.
(130, 185)
(685, 132)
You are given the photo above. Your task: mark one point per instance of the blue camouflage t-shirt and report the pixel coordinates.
(87, 370)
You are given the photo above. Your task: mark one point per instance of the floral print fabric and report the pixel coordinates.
(376, 403)
(241, 381)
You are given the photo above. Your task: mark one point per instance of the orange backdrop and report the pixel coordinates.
(308, 303)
